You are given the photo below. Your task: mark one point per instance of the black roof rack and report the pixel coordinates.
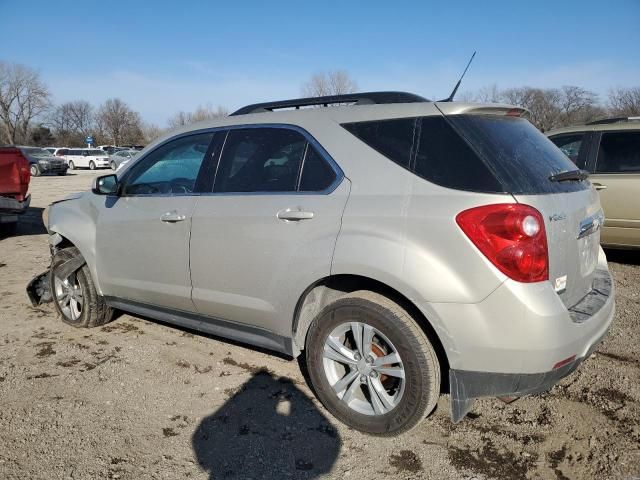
(604, 121)
(368, 98)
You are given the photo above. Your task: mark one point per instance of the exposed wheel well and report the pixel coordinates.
(325, 291)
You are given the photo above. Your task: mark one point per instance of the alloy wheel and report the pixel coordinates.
(364, 368)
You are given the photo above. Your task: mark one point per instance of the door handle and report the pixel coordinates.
(294, 215)
(599, 186)
(172, 217)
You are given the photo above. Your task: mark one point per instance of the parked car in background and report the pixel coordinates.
(121, 158)
(86, 158)
(610, 150)
(14, 183)
(41, 161)
(111, 149)
(390, 239)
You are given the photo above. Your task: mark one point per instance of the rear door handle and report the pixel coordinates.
(172, 217)
(599, 186)
(294, 215)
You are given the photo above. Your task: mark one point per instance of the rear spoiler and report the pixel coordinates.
(456, 108)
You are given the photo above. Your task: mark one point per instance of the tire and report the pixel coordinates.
(92, 166)
(34, 170)
(113, 166)
(71, 165)
(395, 332)
(94, 311)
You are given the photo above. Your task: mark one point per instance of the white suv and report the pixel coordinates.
(87, 158)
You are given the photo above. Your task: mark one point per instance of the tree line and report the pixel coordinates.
(29, 116)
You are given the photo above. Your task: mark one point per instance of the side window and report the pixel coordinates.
(317, 174)
(392, 138)
(170, 169)
(619, 153)
(430, 148)
(260, 160)
(572, 146)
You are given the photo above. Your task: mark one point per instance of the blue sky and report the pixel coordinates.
(162, 57)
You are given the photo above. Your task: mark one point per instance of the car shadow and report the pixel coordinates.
(267, 429)
(629, 257)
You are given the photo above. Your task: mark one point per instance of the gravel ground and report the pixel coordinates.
(140, 399)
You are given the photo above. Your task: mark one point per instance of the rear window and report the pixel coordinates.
(482, 153)
(521, 157)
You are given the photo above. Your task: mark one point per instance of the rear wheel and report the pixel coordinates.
(71, 165)
(371, 365)
(75, 296)
(35, 171)
(92, 166)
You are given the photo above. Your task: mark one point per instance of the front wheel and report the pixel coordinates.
(92, 166)
(72, 165)
(114, 166)
(371, 365)
(35, 171)
(75, 296)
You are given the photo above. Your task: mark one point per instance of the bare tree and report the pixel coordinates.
(151, 132)
(23, 97)
(624, 102)
(206, 112)
(576, 105)
(337, 82)
(117, 123)
(72, 122)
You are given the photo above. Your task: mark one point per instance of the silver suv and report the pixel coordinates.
(406, 247)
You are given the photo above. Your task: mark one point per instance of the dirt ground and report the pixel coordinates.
(138, 399)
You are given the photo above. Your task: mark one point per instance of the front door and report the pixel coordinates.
(143, 234)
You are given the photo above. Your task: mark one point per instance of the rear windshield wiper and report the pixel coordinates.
(569, 176)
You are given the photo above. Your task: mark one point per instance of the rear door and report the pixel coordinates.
(617, 177)
(268, 229)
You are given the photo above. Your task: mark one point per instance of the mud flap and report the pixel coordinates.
(38, 289)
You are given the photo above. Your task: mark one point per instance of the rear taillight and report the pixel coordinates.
(512, 237)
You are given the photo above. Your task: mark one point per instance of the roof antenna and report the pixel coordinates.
(455, 89)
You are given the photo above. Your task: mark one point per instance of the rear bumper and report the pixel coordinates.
(11, 206)
(466, 385)
(510, 344)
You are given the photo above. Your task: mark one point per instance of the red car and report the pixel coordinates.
(14, 183)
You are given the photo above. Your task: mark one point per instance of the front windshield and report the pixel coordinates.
(37, 152)
(97, 153)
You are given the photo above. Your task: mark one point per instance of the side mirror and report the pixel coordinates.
(105, 185)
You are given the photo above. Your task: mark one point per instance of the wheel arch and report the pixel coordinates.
(330, 288)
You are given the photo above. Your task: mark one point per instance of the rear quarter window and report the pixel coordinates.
(430, 148)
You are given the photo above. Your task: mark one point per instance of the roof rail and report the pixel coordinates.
(368, 98)
(604, 121)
